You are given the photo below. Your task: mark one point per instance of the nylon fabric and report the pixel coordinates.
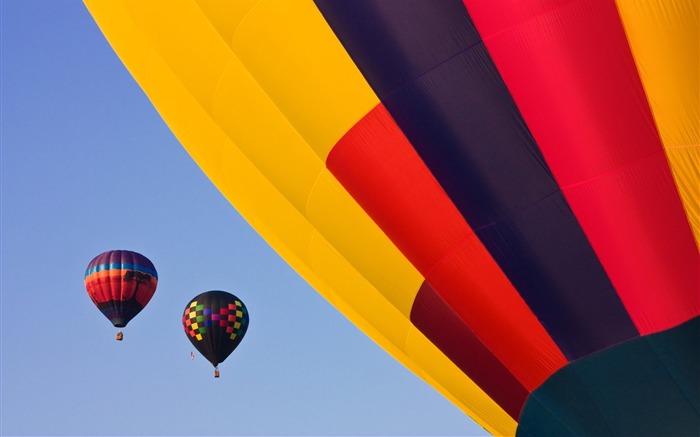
(644, 387)
(459, 116)
(663, 37)
(197, 122)
(252, 120)
(447, 330)
(570, 70)
(537, 196)
(424, 224)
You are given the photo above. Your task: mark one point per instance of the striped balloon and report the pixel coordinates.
(120, 283)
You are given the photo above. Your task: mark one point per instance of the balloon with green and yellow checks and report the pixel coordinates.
(215, 322)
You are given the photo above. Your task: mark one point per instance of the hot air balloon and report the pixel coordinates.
(503, 194)
(215, 322)
(120, 283)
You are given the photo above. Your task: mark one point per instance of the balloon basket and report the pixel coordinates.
(120, 336)
(216, 373)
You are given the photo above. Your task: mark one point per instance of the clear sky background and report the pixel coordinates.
(89, 166)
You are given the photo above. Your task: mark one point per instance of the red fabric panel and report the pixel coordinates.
(571, 73)
(377, 165)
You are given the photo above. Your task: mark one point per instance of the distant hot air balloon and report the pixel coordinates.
(215, 322)
(120, 283)
(504, 195)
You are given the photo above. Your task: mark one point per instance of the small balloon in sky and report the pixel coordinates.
(215, 322)
(120, 283)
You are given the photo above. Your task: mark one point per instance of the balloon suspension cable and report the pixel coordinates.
(120, 335)
(216, 372)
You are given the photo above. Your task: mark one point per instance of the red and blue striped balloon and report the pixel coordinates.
(120, 283)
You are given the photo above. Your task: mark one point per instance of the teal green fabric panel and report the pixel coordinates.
(680, 353)
(649, 386)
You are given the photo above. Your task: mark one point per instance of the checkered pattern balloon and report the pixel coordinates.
(215, 322)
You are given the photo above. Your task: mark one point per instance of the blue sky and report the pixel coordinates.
(89, 166)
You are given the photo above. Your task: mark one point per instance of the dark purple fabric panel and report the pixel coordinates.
(390, 55)
(428, 66)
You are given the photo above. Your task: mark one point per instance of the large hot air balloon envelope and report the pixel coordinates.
(215, 323)
(504, 195)
(120, 283)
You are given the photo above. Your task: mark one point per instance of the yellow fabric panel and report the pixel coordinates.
(317, 229)
(664, 36)
(225, 16)
(308, 86)
(351, 293)
(232, 172)
(196, 56)
(354, 234)
(253, 122)
(245, 187)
